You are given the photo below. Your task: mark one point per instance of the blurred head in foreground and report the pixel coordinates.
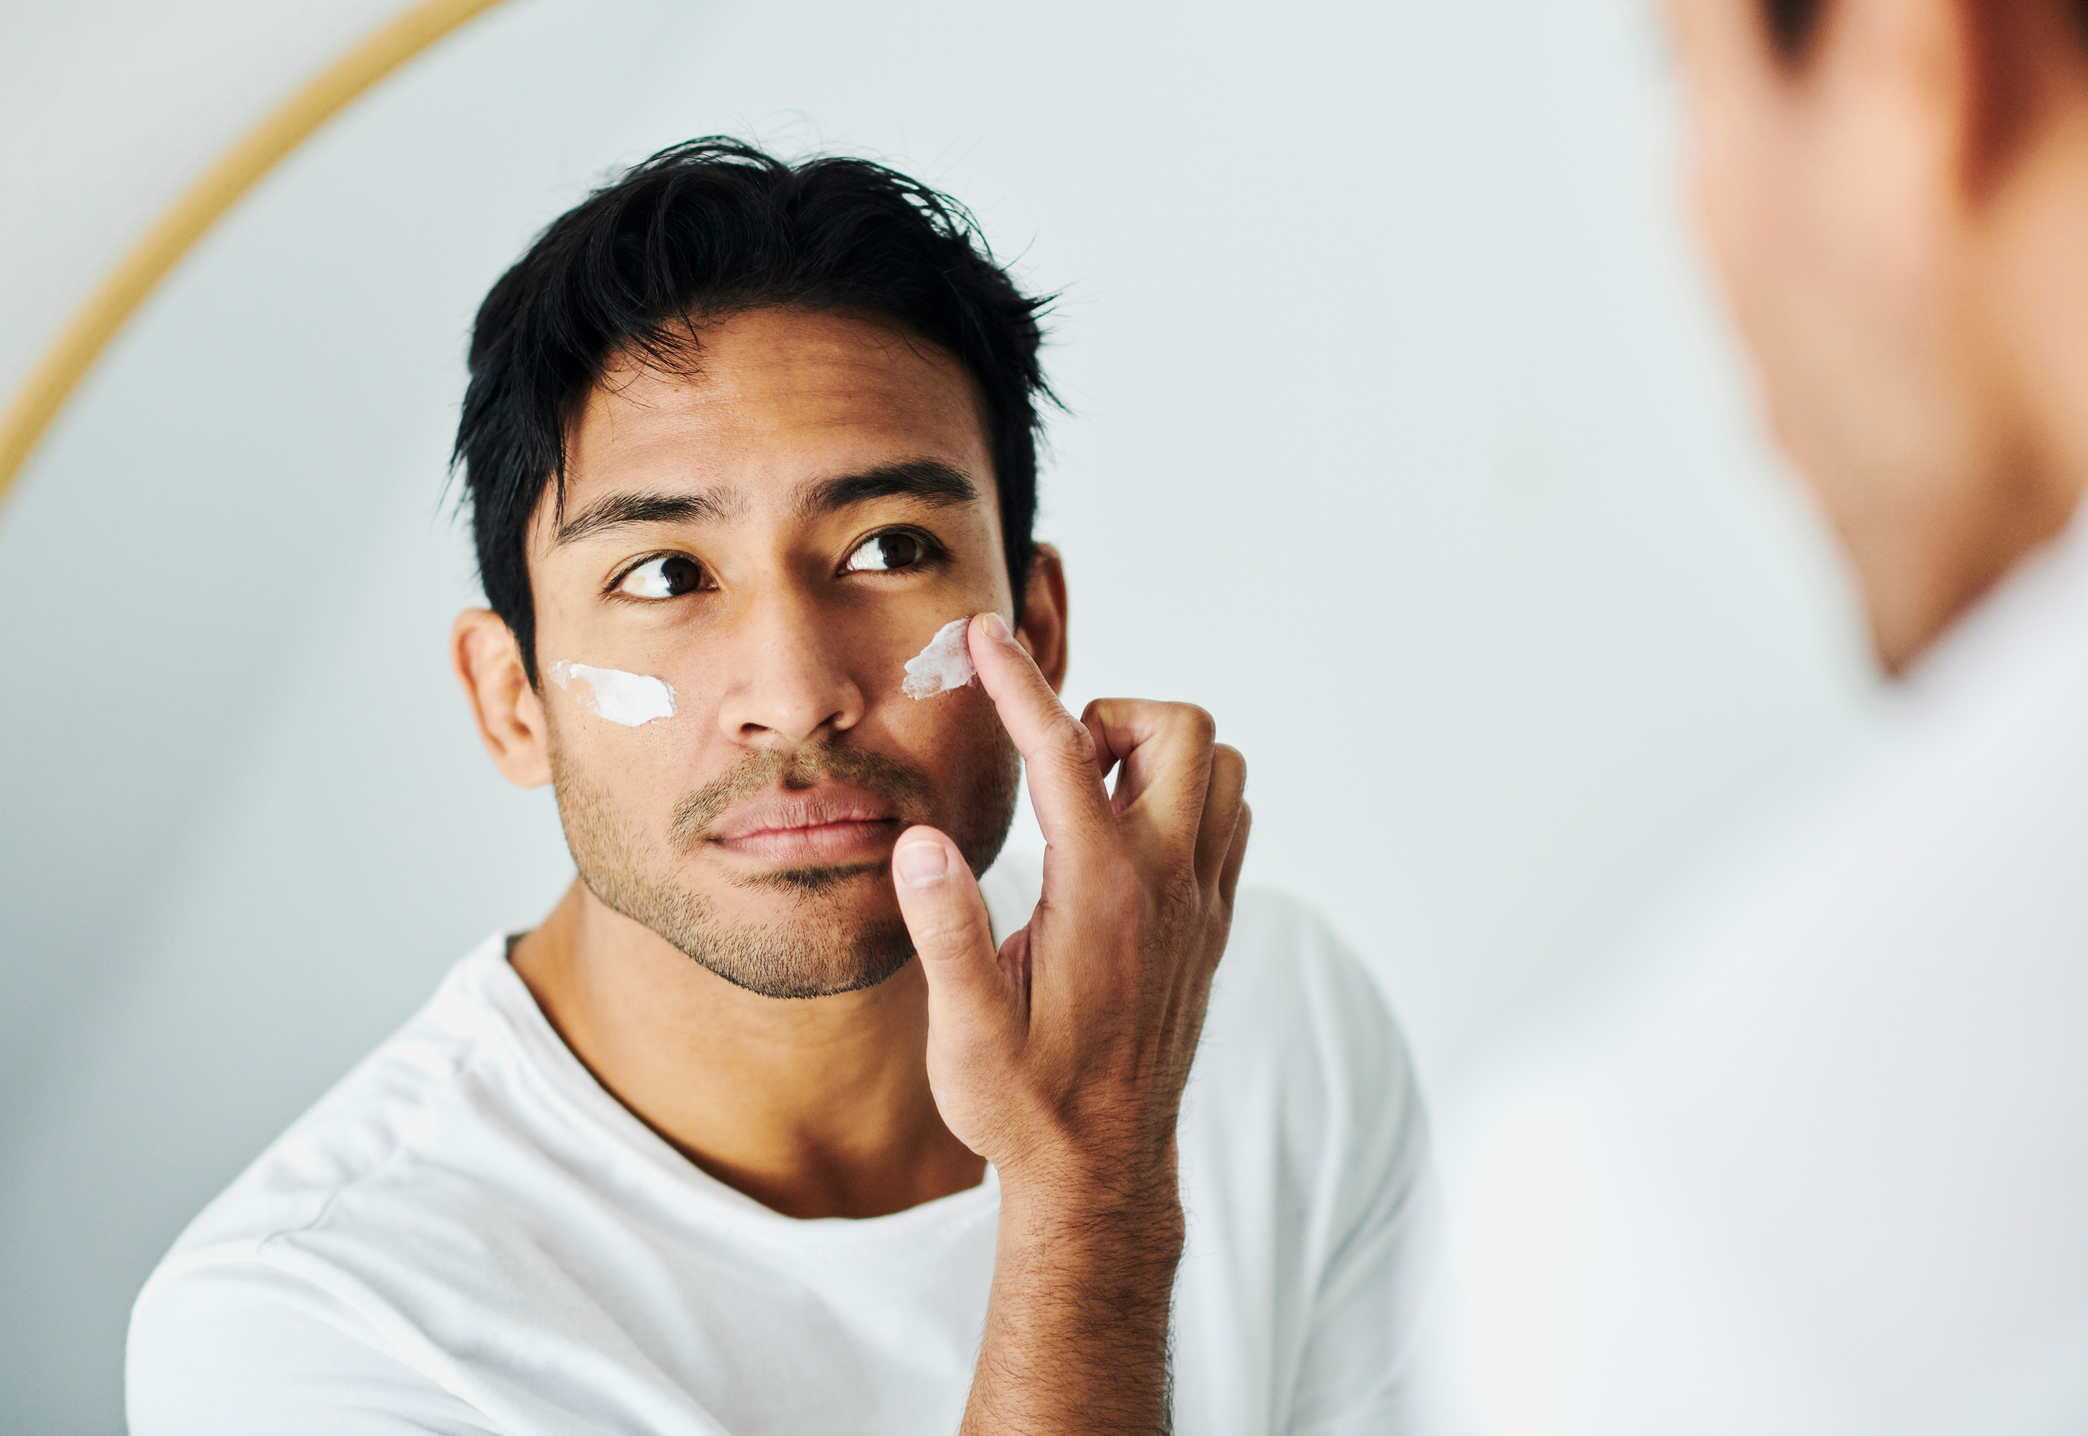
(1896, 196)
(1819, 1165)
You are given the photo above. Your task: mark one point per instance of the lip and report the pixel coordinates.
(832, 823)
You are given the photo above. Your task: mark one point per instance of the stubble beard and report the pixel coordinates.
(813, 949)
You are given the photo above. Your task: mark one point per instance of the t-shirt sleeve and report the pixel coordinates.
(1370, 1358)
(236, 1348)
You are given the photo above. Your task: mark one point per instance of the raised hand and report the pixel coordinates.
(1061, 1057)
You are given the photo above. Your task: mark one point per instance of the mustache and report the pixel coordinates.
(904, 786)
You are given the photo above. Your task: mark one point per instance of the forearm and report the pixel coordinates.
(1077, 1328)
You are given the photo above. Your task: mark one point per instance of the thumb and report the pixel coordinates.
(971, 1004)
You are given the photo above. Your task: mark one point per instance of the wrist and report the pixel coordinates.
(1077, 1329)
(1112, 1209)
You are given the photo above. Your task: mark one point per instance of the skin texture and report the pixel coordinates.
(734, 963)
(1897, 215)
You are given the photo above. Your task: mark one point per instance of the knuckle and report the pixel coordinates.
(1181, 896)
(943, 933)
(1073, 741)
(1196, 724)
(1169, 906)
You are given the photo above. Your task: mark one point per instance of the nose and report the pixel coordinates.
(788, 682)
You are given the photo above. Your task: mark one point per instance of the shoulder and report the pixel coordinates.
(226, 1269)
(1285, 974)
(230, 1347)
(1295, 1020)
(1307, 1180)
(384, 1106)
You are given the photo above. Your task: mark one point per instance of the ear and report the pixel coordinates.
(2022, 67)
(510, 715)
(1042, 632)
(1981, 79)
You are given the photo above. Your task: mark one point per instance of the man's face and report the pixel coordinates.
(773, 534)
(1831, 193)
(1809, 185)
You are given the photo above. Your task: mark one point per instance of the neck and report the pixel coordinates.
(1919, 577)
(815, 1107)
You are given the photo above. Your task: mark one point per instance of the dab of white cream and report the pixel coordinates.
(626, 698)
(944, 664)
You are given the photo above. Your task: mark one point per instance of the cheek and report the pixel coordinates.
(659, 713)
(635, 772)
(615, 695)
(614, 758)
(1733, 207)
(949, 721)
(1737, 154)
(955, 737)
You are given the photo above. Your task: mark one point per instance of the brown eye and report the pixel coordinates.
(668, 576)
(886, 551)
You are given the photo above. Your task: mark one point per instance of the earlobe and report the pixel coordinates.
(510, 715)
(1043, 628)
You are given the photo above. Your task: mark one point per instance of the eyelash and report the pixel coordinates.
(933, 550)
(613, 589)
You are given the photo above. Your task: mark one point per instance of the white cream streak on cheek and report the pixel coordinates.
(944, 664)
(626, 698)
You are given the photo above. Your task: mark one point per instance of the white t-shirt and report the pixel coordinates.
(1821, 1167)
(470, 1235)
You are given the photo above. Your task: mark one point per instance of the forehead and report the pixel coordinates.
(775, 399)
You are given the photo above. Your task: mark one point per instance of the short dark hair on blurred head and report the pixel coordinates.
(698, 232)
(1792, 22)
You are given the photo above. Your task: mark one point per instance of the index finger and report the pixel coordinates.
(1064, 775)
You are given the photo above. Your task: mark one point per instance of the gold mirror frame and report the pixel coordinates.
(44, 393)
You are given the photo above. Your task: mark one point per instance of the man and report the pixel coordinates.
(1825, 1168)
(782, 1122)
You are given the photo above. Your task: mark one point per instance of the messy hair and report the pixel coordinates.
(698, 232)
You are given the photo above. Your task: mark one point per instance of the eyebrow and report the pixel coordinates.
(620, 510)
(931, 481)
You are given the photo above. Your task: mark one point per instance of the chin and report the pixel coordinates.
(792, 962)
(821, 879)
(794, 933)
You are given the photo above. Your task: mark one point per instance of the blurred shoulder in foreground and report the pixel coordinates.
(1823, 1167)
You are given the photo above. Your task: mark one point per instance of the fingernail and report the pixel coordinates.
(996, 628)
(920, 864)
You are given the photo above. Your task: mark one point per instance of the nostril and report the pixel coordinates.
(772, 700)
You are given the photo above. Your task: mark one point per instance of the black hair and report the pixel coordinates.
(1791, 23)
(700, 231)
